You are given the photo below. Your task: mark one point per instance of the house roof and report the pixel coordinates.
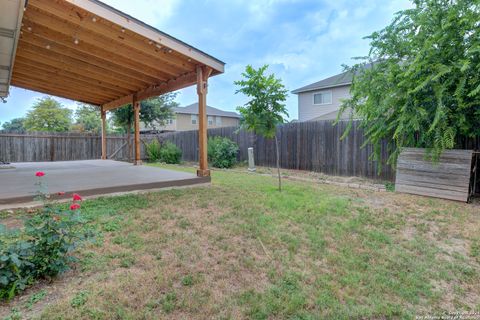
(342, 79)
(211, 111)
(338, 80)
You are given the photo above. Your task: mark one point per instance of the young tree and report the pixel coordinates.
(88, 118)
(153, 112)
(47, 114)
(15, 125)
(420, 85)
(265, 109)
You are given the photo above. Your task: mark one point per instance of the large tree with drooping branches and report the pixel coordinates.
(420, 84)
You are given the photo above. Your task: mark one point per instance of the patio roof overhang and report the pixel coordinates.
(87, 51)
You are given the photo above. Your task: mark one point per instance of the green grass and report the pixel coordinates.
(241, 249)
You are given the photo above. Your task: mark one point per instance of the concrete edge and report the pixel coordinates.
(26, 201)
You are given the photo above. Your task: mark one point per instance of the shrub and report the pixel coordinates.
(42, 249)
(222, 152)
(153, 150)
(170, 153)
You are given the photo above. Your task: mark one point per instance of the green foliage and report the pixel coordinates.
(187, 280)
(390, 186)
(79, 299)
(285, 299)
(153, 150)
(88, 118)
(154, 112)
(36, 297)
(266, 108)
(14, 315)
(49, 115)
(222, 152)
(14, 125)
(123, 117)
(41, 250)
(170, 153)
(169, 302)
(420, 85)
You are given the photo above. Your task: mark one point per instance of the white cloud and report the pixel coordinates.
(153, 12)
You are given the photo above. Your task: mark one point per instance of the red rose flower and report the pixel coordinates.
(76, 197)
(40, 173)
(61, 193)
(74, 206)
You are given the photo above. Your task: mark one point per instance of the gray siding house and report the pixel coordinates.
(322, 100)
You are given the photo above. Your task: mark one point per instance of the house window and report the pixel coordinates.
(324, 97)
(218, 121)
(210, 120)
(169, 121)
(194, 119)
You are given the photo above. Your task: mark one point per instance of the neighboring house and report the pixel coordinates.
(186, 118)
(322, 100)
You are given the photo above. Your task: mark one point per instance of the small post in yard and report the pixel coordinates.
(251, 161)
(104, 134)
(136, 112)
(202, 88)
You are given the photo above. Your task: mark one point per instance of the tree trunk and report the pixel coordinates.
(129, 144)
(278, 164)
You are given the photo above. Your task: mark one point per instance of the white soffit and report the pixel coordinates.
(11, 13)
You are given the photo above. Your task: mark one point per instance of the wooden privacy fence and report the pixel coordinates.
(45, 146)
(312, 146)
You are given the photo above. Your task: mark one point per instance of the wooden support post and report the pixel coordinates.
(202, 88)
(136, 112)
(104, 134)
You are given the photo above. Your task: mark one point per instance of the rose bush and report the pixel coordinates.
(42, 249)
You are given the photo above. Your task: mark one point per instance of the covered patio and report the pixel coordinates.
(87, 51)
(88, 178)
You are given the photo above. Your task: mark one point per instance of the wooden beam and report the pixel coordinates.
(202, 89)
(56, 87)
(148, 32)
(84, 20)
(72, 87)
(58, 93)
(92, 55)
(104, 134)
(99, 40)
(40, 67)
(118, 102)
(155, 90)
(45, 56)
(77, 83)
(136, 112)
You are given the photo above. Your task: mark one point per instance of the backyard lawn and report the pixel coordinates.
(240, 249)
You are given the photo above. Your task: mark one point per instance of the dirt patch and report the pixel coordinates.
(12, 223)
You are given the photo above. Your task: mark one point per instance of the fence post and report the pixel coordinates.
(52, 148)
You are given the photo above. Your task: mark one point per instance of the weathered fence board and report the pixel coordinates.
(313, 146)
(447, 179)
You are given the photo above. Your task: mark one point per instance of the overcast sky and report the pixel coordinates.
(303, 41)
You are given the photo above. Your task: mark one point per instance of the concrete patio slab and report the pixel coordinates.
(88, 177)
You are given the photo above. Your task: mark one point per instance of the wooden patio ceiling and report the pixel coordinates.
(87, 51)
